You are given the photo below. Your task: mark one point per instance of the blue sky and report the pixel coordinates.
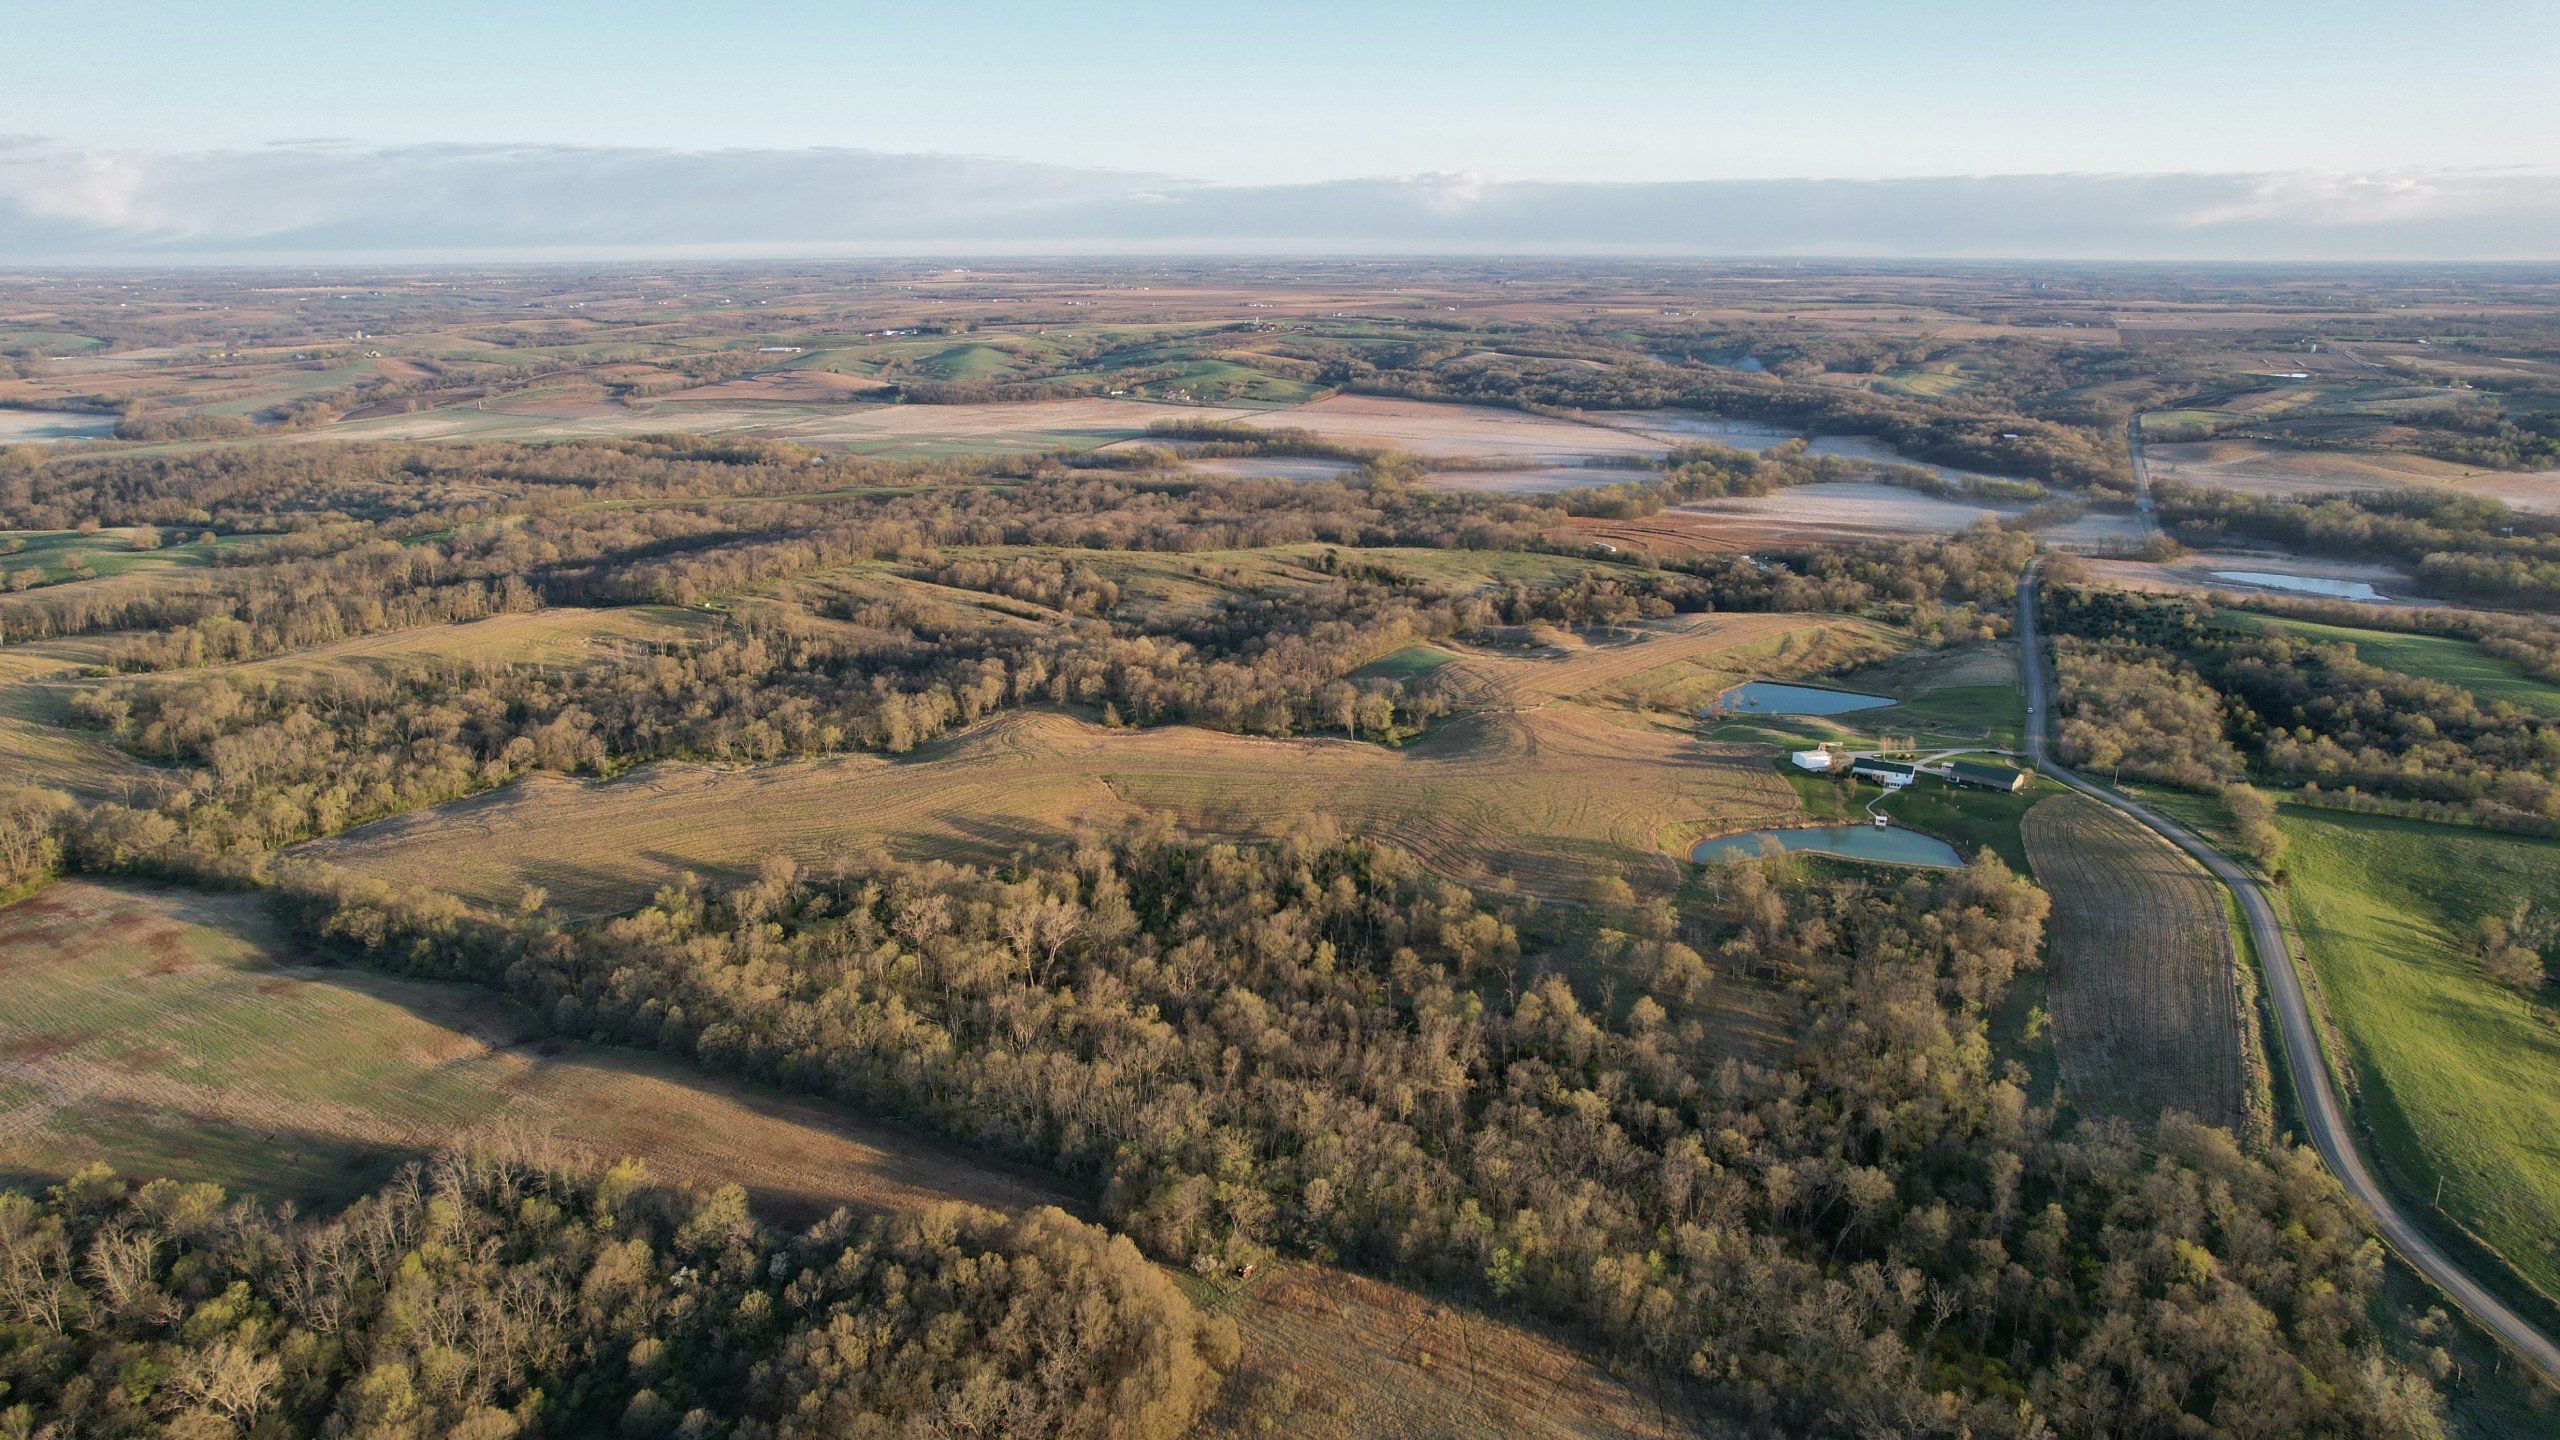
(1259, 93)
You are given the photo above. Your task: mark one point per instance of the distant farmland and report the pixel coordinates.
(2146, 1010)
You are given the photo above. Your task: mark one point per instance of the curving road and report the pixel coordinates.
(2322, 1114)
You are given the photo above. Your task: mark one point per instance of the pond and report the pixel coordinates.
(2302, 584)
(1767, 697)
(21, 425)
(1892, 846)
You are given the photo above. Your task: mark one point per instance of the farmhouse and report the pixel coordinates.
(1989, 777)
(1891, 774)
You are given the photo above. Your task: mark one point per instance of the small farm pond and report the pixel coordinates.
(1893, 845)
(2302, 584)
(1767, 697)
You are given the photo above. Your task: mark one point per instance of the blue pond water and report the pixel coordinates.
(1768, 697)
(1894, 845)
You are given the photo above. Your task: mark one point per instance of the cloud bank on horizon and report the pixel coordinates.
(323, 200)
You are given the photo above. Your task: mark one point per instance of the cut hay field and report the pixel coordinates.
(1546, 802)
(2141, 982)
(2452, 1074)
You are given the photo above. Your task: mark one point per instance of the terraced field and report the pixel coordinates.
(2142, 980)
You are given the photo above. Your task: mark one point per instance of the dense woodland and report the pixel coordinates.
(1317, 1046)
(502, 1292)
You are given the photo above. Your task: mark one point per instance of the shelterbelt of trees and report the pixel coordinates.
(1316, 1047)
(2157, 685)
(500, 1292)
(2460, 547)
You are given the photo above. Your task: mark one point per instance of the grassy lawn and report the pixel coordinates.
(1992, 715)
(2455, 1075)
(2429, 657)
(1971, 819)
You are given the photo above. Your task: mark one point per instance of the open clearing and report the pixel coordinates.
(2452, 1074)
(2260, 468)
(2141, 985)
(175, 1033)
(171, 1033)
(35, 749)
(559, 635)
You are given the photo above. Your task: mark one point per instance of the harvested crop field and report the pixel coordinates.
(1445, 431)
(1546, 802)
(2143, 988)
(890, 429)
(1271, 467)
(176, 1033)
(1537, 480)
(1834, 513)
(2258, 468)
